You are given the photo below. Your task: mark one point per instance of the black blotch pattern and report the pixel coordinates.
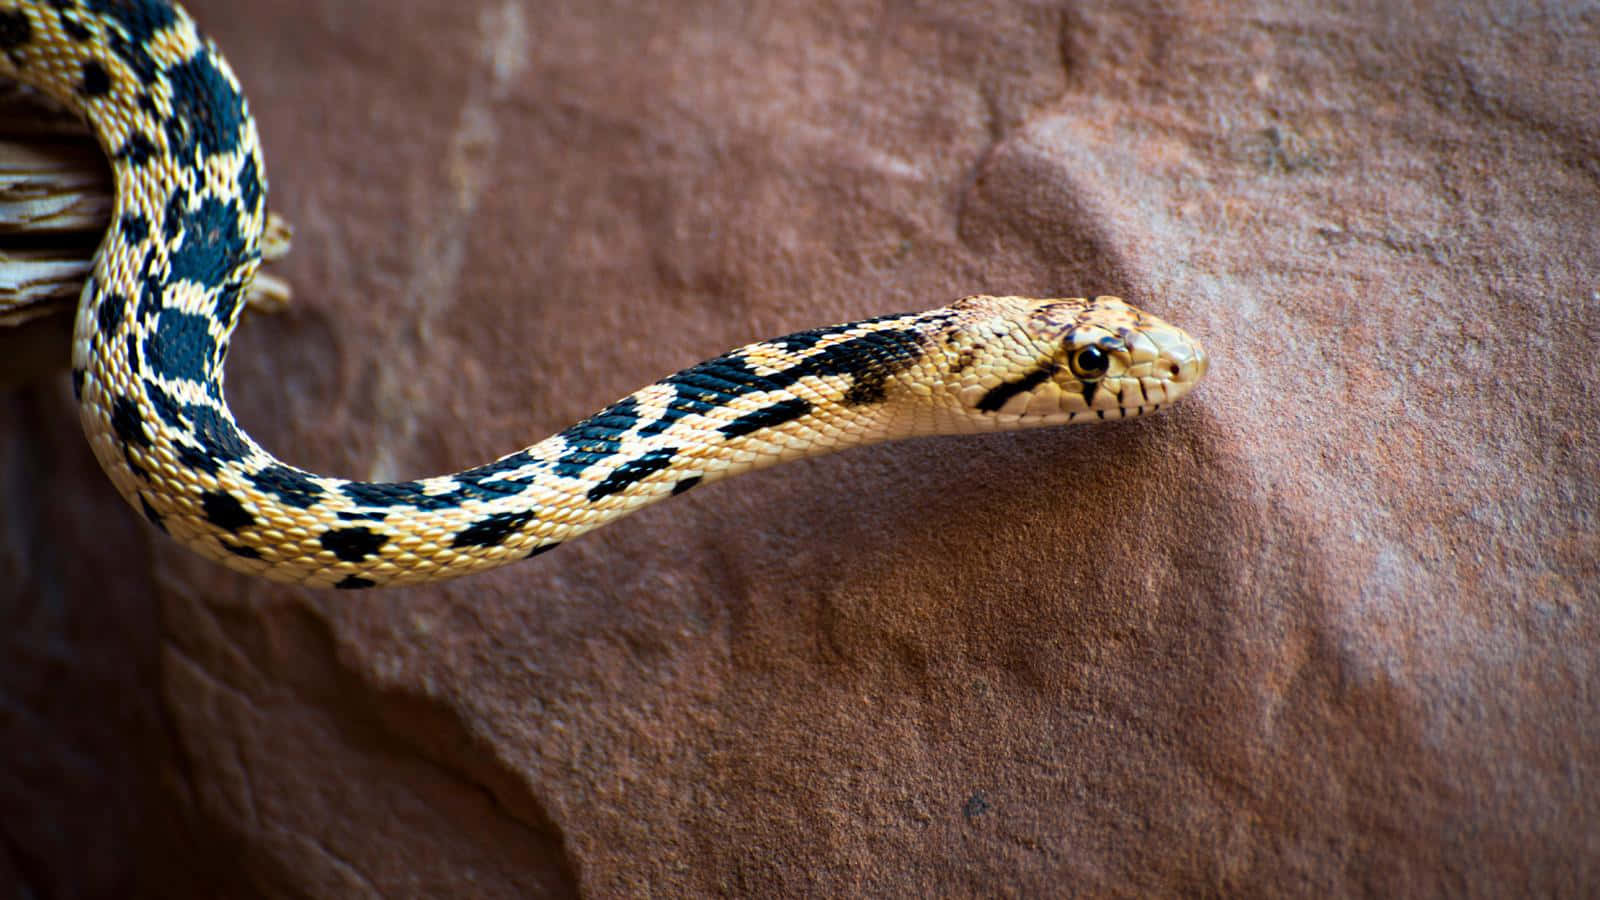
(134, 468)
(225, 511)
(492, 530)
(216, 433)
(597, 438)
(109, 315)
(74, 28)
(135, 228)
(138, 149)
(632, 472)
(869, 360)
(354, 583)
(574, 463)
(491, 471)
(1089, 387)
(96, 80)
(150, 514)
(241, 550)
(197, 459)
(766, 417)
(542, 548)
(212, 246)
(684, 486)
(395, 493)
(292, 487)
(481, 483)
(805, 340)
(129, 427)
(249, 184)
(140, 20)
(127, 423)
(353, 544)
(166, 406)
(207, 113)
(801, 340)
(702, 388)
(181, 346)
(175, 216)
(15, 30)
(997, 396)
(227, 304)
(152, 288)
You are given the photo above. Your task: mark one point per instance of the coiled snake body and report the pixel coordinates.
(153, 324)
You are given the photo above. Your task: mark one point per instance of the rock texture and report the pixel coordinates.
(1329, 626)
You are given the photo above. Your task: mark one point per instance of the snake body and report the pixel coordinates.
(153, 324)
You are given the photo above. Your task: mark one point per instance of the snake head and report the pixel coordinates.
(1019, 362)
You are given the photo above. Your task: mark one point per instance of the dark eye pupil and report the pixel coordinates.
(1092, 359)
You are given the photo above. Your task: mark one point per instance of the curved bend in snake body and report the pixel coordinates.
(168, 281)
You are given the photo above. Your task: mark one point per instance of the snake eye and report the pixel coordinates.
(1090, 362)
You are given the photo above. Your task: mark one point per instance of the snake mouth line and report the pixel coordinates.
(1130, 411)
(1109, 415)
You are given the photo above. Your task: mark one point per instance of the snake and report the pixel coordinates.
(164, 294)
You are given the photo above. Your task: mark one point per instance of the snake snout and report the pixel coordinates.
(1164, 364)
(1179, 365)
(1185, 363)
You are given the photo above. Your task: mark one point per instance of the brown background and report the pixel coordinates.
(1330, 625)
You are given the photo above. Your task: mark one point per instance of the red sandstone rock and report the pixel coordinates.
(1329, 626)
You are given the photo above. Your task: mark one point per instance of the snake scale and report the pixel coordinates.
(152, 329)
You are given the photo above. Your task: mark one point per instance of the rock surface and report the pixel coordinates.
(1331, 625)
